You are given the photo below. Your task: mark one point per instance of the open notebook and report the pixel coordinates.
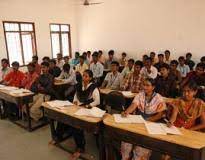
(93, 112)
(129, 119)
(58, 103)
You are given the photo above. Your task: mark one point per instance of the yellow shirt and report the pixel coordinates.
(81, 68)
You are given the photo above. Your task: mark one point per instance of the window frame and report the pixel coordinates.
(60, 38)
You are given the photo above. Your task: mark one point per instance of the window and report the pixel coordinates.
(60, 39)
(20, 41)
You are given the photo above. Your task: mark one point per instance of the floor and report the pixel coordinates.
(18, 144)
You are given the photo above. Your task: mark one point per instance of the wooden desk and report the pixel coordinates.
(19, 99)
(67, 116)
(189, 146)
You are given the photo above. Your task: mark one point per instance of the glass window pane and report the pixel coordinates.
(55, 44)
(64, 28)
(54, 27)
(11, 27)
(65, 44)
(26, 27)
(14, 47)
(27, 47)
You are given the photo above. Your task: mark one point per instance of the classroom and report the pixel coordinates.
(102, 79)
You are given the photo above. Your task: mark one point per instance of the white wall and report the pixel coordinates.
(42, 12)
(140, 26)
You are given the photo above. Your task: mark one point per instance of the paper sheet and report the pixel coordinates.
(19, 91)
(127, 93)
(129, 119)
(9, 88)
(171, 130)
(93, 112)
(58, 103)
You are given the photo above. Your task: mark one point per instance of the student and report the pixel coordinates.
(75, 61)
(5, 69)
(167, 56)
(53, 69)
(165, 82)
(14, 77)
(113, 79)
(133, 81)
(101, 57)
(86, 61)
(109, 60)
(30, 76)
(144, 57)
(43, 87)
(66, 59)
(82, 66)
(151, 106)
(89, 57)
(87, 94)
(129, 69)
(37, 66)
(149, 71)
(60, 62)
(97, 68)
(202, 59)
(153, 57)
(160, 61)
(173, 70)
(46, 59)
(123, 60)
(189, 62)
(182, 67)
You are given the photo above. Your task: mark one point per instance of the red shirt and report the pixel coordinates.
(38, 69)
(28, 80)
(14, 78)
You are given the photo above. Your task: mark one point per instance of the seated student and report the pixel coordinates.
(87, 94)
(86, 61)
(43, 87)
(182, 67)
(133, 81)
(5, 69)
(101, 57)
(160, 61)
(30, 76)
(108, 62)
(82, 66)
(165, 82)
(167, 56)
(89, 57)
(189, 62)
(54, 70)
(173, 70)
(113, 79)
(144, 57)
(123, 60)
(202, 59)
(153, 57)
(14, 77)
(46, 59)
(37, 66)
(151, 106)
(129, 68)
(60, 62)
(97, 68)
(66, 59)
(149, 71)
(75, 61)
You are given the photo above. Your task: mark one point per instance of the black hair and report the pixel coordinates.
(189, 54)
(66, 57)
(82, 57)
(131, 60)
(152, 53)
(160, 55)
(111, 52)
(46, 58)
(100, 51)
(95, 54)
(192, 85)
(15, 63)
(145, 56)
(139, 63)
(181, 58)
(148, 59)
(164, 65)
(116, 63)
(32, 65)
(45, 64)
(201, 65)
(35, 57)
(77, 53)
(151, 80)
(89, 72)
(59, 54)
(174, 62)
(52, 61)
(66, 67)
(89, 52)
(125, 54)
(167, 52)
(202, 59)
(5, 60)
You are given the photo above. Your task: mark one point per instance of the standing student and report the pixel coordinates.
(182, 67)
(189, 62)
(113, 79)
(151, 106)
(109, 60)
(37, 66)
(82, 66)
(129, 68)
(53, 69)
(5, 68)
(14, 77)
(160, 61)
(149, 71)
(87, 94)
(60, 62)
(43, 87)
(123, 60)
(133, 81)
(167, 56)
(97, 68)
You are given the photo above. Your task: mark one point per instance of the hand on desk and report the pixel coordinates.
(124, 114)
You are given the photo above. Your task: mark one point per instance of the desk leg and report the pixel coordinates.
(52, 127)
(29, 118)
